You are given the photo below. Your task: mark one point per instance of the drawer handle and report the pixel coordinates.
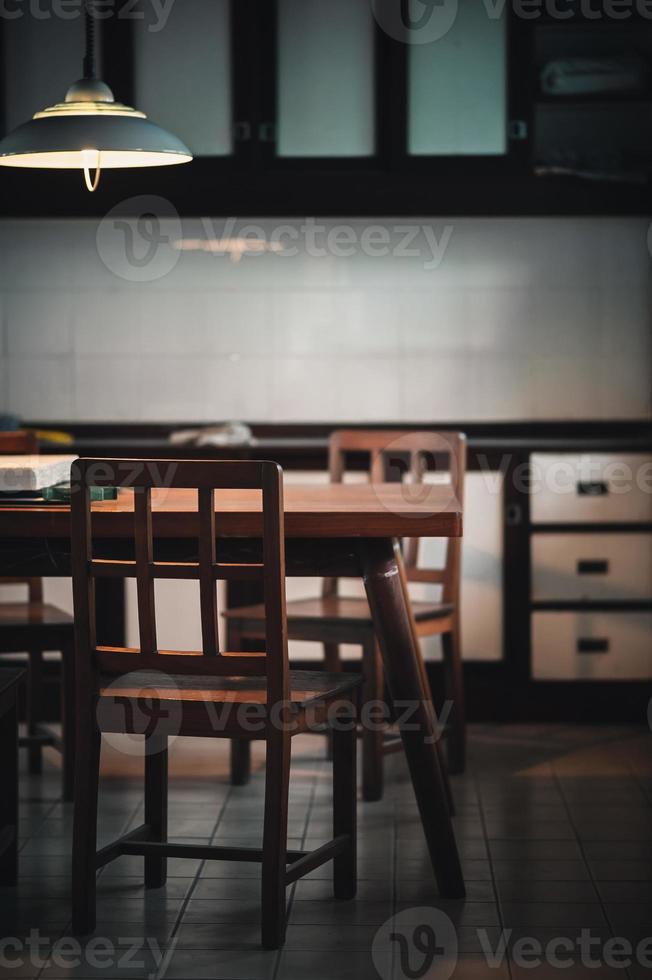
(586, 488)
(592, 567)
(592, 646)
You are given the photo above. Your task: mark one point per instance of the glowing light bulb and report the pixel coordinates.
(91, 161)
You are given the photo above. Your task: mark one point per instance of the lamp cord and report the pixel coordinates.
(89, 57)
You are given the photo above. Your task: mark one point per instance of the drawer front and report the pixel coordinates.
(591, 646)
(599, 488)
(576, 567)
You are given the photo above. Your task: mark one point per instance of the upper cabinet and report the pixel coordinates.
(325, 77)
(182, 72)
(373, 83)
(457, 83)
(346, 106)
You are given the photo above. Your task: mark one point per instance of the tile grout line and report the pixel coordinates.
(580, 844)
(184, 904)
(304, 839)
(494, 884)
(67, 928)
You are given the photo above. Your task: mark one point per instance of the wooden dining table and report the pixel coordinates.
(339, 530)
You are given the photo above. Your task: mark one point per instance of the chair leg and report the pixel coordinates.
(34, 709)
(240, 747)
(274, 865)
(240, 761)
(156, 805)
(373, 690)
(345, 810)
(332, 665)
(84, 846)
(68, 720)
(454, 691)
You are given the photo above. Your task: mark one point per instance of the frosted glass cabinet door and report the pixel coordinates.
(457, 83)
(183, 72)
(325, 78)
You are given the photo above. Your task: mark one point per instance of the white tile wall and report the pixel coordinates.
(523, 318)
(526, 318)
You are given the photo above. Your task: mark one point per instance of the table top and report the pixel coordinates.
(329, 511)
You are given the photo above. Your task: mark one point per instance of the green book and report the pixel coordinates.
(61, 493)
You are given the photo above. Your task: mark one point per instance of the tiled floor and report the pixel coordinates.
(554, 828)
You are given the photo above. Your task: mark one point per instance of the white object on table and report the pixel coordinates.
(29, 474)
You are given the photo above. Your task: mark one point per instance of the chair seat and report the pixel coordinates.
(346, 611)
(18, 615)
(306, 687)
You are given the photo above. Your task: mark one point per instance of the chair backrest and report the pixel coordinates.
(21, 443)
(393, 455)
(146, 478)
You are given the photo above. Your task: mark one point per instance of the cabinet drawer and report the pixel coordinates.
(576, 567)
(591, 646)
(600, 488)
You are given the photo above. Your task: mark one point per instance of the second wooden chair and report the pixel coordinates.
(334, 619)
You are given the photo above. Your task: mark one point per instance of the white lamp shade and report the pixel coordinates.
(114, 135)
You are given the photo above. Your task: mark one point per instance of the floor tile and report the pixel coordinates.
(621, 870)
(576, 970)
(423, 891)
(212, 964)
(631, 850)
(536, 850)
(625, 916)
(238, 889)
(537, 870)
(531, 787)
(420, 869)
(547, 891)
(318, 890)
(225, 910)
(330, 937)
(219, 935)
(626, 891)
(340, 913)
(472, 914)
(545, 914)
(301, 965)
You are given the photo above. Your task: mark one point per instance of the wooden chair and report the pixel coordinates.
(210, 693)
(334, 619)
(32, 627)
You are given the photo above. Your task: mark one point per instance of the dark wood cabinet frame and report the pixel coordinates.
(253, 181)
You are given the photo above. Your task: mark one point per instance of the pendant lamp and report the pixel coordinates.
(90, 131)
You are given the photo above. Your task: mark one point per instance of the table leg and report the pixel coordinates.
(392, 622)
(424, 675)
